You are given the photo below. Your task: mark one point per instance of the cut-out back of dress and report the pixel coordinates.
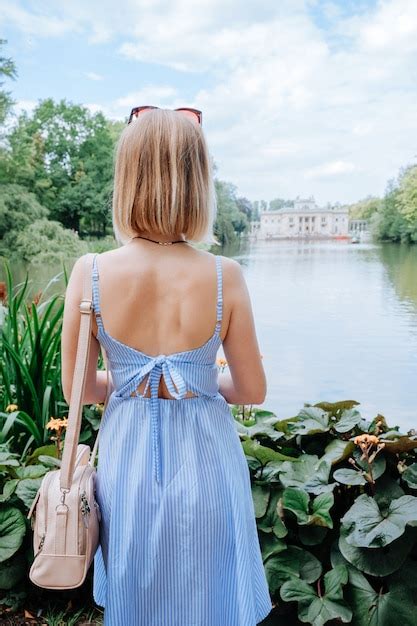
(187, 374)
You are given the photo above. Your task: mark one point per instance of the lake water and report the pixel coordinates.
(336, 321)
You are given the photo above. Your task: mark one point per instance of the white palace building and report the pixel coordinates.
(303, 220)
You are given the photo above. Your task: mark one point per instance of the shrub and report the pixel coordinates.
(336, 508)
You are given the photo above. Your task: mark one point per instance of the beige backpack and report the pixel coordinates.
(64, 513)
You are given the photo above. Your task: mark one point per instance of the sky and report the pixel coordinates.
(299, 97)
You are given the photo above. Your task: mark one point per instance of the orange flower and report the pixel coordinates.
(11, 407)
(365, 440)
(221, 362)
(57, 424)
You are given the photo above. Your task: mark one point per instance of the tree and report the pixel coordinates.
(18, 208)
(7, 70)
(279, 203)
(364, 209)
(407, 200)
(64, 154)
(230, 220)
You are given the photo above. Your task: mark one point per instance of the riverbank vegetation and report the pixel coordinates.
(394, 216)
(335, 494)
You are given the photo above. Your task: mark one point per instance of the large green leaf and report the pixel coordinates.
(27, 488)
(410, 476)
(31, 471)
(348, 420)
(260, 496)
(337, 450)
(379, 607)
(336, 408)
(12, 531)
(270, 545)
(272, 522)
(264, 426)
(378, 561)
(317, 512)
(294, 562)
(263, 453)
(347, 476)
(319, 609)
(8, 489)
(369, 527)
(310, 420)
(309, 474)
(399, 444)
(48, 450)
(8, 459)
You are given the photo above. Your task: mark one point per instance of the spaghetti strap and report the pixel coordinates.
(219, 306)
(96, 293)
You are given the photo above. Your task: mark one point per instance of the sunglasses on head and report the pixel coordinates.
(194, 114)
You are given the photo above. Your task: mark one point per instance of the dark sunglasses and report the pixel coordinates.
(194, 114)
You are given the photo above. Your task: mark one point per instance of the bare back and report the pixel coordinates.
(162, 300)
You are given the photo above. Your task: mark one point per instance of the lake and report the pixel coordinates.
(335, 321)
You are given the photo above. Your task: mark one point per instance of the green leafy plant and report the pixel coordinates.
(335, 499)
(30, 362)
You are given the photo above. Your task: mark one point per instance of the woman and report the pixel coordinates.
(178, 538)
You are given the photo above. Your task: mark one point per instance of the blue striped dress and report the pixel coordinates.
(178, 537)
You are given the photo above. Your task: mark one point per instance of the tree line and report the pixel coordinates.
(394, 216)
(56, 176)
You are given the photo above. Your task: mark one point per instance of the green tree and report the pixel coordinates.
(64, 154)
(7, 70)
(388, 223)
(364, 209)
(407, 200)
(279, 203)
(18, 208)
(230, 221)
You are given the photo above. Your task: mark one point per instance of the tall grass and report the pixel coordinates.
(30, 361)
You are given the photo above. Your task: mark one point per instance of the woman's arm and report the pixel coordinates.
(95, 386)
(245, 382)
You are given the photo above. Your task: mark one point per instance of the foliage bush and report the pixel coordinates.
(336, 508)
(45, 241)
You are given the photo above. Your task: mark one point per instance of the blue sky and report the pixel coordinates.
(299, 97)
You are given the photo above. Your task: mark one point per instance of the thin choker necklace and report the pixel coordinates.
(162, 243)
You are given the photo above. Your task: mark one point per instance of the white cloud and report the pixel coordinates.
(334, 168)
(149, 94)
(39, 24)
(289, 107)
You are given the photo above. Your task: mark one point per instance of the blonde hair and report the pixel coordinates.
(163, 179)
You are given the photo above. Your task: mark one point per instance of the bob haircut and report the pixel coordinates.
(163, 179)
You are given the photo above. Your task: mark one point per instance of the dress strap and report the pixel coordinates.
(219, 307)
(96, 293)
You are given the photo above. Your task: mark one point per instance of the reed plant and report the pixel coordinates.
(30, 361)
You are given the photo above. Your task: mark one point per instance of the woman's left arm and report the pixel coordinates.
(95, 385)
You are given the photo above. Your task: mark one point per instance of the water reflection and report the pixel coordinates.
(334, 321)
(332, 324)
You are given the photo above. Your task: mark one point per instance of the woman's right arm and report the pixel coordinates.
(244, 382)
